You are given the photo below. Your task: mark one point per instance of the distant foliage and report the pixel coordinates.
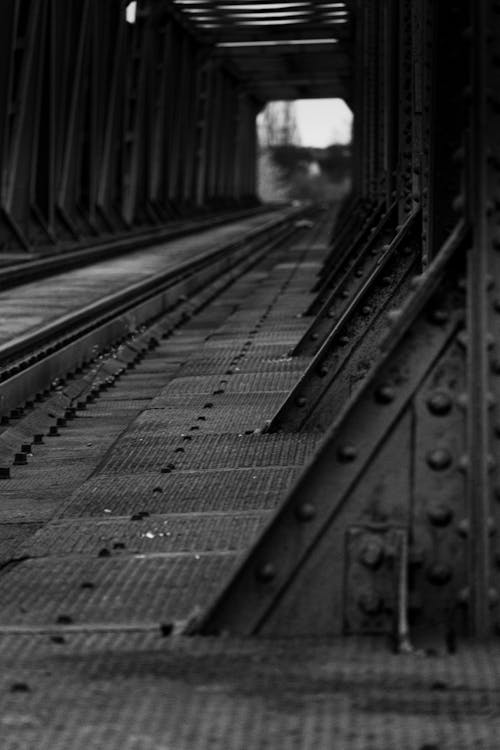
(312, 173)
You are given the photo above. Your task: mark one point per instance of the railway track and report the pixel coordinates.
(36, 364)
(36, 266)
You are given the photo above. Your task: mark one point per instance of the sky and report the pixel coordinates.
(322, 122)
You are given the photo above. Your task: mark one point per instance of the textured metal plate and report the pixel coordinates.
(137, 452)
(232, 383)
(203, 491)
(139, 691)
(231, 412)
(90, 590)
(248, 363)
(175, 533)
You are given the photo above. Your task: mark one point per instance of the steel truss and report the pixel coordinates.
(107, 126)
(392, 526)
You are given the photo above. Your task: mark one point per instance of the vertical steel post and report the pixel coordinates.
(478, 484)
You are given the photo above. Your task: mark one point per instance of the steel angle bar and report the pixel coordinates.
(337, 255)
(377, 222)
(350, 278)
(350, 348)
(291, 581)
(350, 216)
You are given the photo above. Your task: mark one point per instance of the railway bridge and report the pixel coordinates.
(249, 454)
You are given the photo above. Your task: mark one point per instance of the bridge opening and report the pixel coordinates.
(304, 150)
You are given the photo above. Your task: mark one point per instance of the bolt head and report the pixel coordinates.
(370, 603)
(372, 554)
(265, 572)
(440, 515)
(305, 512)
(439, 403)
(346, 453)
(385, 394)
(439, 459)
(439, 574)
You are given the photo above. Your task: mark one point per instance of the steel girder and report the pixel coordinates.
(392, 527)
(107, 125)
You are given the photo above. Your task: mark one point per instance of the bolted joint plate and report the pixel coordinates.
(374, 559)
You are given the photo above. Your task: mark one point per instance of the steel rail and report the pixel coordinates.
(67, 259)
(29, 363)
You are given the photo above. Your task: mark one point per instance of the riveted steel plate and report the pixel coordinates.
(175, 533)
(208, 490)
(139, 590)
(137, 452)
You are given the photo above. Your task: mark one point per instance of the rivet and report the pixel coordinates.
(463, 596)
(463, 528)
(439, 459)
(393, 316)
(439, 316)
(38, 439)
(463, 464)
(300, 401)
(314, 336)
(495, 366)
(305, 512)
(440, 514)
(344, 294)
(344, 340)
(493, 597)
(323, 371)
(439, 574)
(265, 573)
(463, 400)
(385, 394)
(458, 204)
(366, 310)
(439, 403)
(347, 453)
(372, 554)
